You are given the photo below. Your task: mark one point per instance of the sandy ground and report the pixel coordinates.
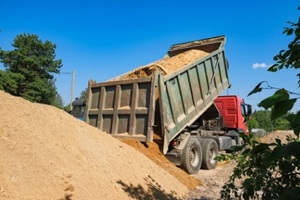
(48, 154)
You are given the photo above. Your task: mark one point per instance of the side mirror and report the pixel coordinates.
(249, 110)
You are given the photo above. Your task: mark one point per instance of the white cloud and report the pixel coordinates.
(260, 65)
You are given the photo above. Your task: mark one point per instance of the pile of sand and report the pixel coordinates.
(278, 134)
(167, 65)
(151, 150)
(48, 154)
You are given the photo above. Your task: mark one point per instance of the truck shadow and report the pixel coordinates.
(153, 191)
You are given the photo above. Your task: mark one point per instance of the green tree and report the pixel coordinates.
(58, 101)
(282, 123)
(29, 69)
(252, 123)
(264, 120)
(9, 81)
(83, 94)
(271, 170)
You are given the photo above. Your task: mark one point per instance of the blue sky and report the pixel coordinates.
(100, 40)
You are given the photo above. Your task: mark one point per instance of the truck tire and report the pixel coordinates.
(241, 142)
(191, 156)
(210, 152)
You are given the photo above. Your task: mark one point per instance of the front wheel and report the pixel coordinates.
(191, 156)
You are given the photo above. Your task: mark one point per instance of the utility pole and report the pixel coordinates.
(72, 86)
(72, 89)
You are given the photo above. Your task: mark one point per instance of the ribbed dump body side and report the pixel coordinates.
(186, 94)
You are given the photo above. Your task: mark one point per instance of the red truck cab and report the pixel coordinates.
(233, 111)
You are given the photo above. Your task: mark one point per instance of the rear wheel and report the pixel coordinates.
(210, 152)
(191, 156)
(241, 141)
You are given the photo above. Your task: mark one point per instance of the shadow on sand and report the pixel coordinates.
(154, 191)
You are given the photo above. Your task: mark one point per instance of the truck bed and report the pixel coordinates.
(164, 100)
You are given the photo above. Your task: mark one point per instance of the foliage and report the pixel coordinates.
(67, 108)
(289, 58)
(264, 120)
(58, 102)
(280, 104)
(29, 69)
(263, 117)
(83, 94)
(252, 123)
(282, 123)
(9, 81)
(271, 171)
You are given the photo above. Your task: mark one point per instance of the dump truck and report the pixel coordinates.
(177, 107)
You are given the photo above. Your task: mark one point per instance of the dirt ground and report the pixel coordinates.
(48, 154)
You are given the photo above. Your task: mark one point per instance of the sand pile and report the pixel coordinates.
(48, 154)
(278, 134)
(151, 150)
(167, 65)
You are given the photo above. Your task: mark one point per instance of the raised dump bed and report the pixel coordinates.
(167, 95)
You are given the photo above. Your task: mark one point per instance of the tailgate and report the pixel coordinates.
(124, 109)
